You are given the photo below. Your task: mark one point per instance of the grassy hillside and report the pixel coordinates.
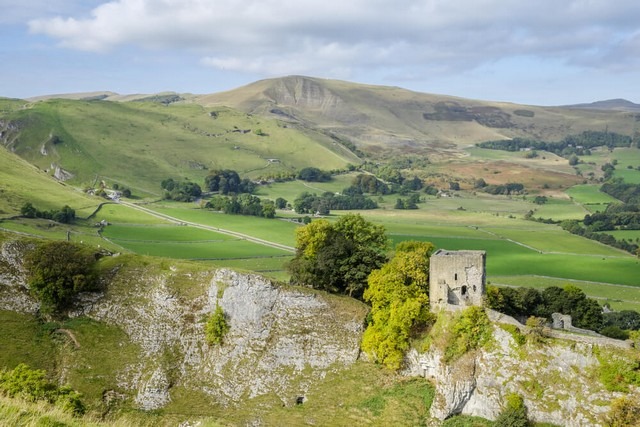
(138, 144)
(390, 120)
(21, 182)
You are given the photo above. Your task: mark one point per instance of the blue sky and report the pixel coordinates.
(547, 52)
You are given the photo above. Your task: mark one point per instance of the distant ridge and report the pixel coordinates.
(618, 104)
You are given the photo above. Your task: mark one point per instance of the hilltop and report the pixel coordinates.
(386, 121)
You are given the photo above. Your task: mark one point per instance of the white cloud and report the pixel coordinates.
(333, 38)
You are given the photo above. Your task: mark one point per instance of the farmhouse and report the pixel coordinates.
(456, 279)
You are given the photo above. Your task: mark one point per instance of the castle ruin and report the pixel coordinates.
(456, 279)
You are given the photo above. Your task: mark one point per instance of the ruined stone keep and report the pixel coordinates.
(456, 278)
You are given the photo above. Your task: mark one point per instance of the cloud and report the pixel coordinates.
(335, 38)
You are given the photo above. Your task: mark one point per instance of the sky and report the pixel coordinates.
(543, 52)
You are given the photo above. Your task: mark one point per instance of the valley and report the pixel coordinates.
(170, 258)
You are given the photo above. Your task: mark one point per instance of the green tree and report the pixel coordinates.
(399, 297)
(28, 210)
(32, 385)
(59, 270)
(216, 327)
(338, 257)
(281, 203)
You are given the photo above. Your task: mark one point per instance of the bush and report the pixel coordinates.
(514, 414)
(624, 412)
(216, 327)
(32, 385)
(57, 271)
(471, 330)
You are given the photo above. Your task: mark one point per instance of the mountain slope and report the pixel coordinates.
(138, 144)
(393, 120)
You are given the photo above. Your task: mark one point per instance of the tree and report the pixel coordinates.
(338, 257)
(28, 210)
(312, 174)
(281, 203)
(216, 327)
(399, 297)
(58, 271)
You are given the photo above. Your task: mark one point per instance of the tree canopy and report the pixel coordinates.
(399, 297)
(57, 271)
(228, 181)
(338, 257)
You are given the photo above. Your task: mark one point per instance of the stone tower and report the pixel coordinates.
(456, 278)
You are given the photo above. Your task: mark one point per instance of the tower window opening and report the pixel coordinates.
(464, 290)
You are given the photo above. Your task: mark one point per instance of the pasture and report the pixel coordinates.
(559, 210)
(290, 190)
(589, 194)
(273, 230)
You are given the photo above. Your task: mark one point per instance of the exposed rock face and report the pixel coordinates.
(280, 339)
(556, 381)
(14, 294)
(61, 174)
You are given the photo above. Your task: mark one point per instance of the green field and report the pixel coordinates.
(21, 182)
(273, 230)
(589, 194)
(290, 190)
(627, 157)
(560, 210)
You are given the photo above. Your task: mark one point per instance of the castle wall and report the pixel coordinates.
(456, 278)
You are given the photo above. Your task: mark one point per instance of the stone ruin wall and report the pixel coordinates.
(456, 279)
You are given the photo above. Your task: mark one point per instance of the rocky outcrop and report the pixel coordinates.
(556, 380)
(280, 340)
(14, 293)
(61, 174)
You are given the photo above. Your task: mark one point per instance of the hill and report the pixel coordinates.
(138, 144)
(610, 104)
(384, 121)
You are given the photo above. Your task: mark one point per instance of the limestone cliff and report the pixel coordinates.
(281, 339)
(557, 378)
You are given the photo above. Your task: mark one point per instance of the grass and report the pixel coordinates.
(560, 210)
(21, 182)
(627, 157)
(290, 190)
(228, 249)
(273, 230)
(589, 194)
(25, 341)
(138, 145)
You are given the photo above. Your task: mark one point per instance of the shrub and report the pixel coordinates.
(514, 414)
(518, 338)
(32, 385)
(624, 412)
(471, 330)
(216, 327)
